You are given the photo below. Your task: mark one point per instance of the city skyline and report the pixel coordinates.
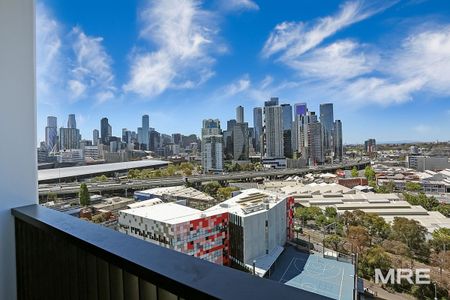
(89, 62)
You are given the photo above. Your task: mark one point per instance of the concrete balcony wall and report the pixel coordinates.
(18, 169)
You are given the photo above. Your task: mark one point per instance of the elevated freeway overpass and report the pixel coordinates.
(132, 185)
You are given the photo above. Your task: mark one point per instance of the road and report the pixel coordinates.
(73, 188)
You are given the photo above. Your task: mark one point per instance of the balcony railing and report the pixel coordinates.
(62, 257)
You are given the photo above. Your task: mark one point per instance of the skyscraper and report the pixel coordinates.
(300, 109)
(287, 116)
(51, 133)
(71, 122)
(338, 145)
(212, 146)
(95, 137)
(316, 135)
(273, 129)
(258, 125)
(104, 131)
(240, 114)
(327, 120)
(145, 131)
(287, 129)
(240, 141)
(212, 153)
(69, 138)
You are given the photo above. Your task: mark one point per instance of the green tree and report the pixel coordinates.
(102, 178)
(371, 259)
(369, 173)
(412, 234)
(377, 227)
(330, 212)
(441, 239)
(307, 213)
(413, 186)
(85, 198)
(444, 209)
(355, 172)
(224, 193)
(386, 188)
(211, 188)
(358, 238)
(52, 196)
(333, 241)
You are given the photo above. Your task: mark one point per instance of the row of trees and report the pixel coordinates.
(217, 191)
(183, 169)
(235, 167)
(380, 244)
(429, 203)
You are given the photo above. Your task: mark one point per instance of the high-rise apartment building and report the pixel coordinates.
(105, 131)
(338, 145)
(212, 146)
(71, 122)
(287, 129)
(177, 138)
(273, 129)
(258, 126)
(316, 143)
(370, 146)
(95, 137)
(327, 121)
(145, 131)
(212, 153)
(69, 138)
(240, 141)
(240, 114)
(51, 133)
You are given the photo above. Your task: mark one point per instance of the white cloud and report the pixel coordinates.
(184, 36)
(238, 86)
(48, 53)
(292, 39)
(233, 5)
(92, 69)
(341, 60)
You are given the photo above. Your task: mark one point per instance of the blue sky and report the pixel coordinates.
(384, 64)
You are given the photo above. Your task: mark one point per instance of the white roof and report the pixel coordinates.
(170, 213)
(263, 263)
(249, 202)
(150, 202)
(53, 174)
(179, 191)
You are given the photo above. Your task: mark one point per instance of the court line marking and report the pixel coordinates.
(342, 280)
(286, 269)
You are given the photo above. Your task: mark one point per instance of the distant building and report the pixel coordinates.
(370, 146)
(422, 163)
(287, 129)
(240, 114)
(145, 131)
(212, 146)
(258, 125)
(91, 152)
(338, 145)
(316, 143)
(71, 122)
(105, 131)
(69, 138)
(70, 156)
(95, 137)
(212, 153)
(240, 141)
(327, 121)
(273, 129)
(51, 133)
(177, 139)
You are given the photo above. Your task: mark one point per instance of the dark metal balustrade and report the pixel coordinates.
(62, 257)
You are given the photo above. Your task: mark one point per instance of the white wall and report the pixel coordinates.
(18, 175)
